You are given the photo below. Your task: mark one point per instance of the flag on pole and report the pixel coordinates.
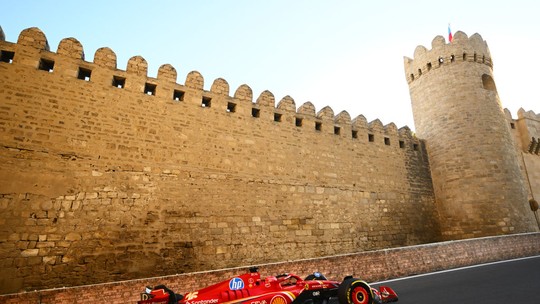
(449, 33)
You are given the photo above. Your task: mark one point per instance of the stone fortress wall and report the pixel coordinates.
(110, 174)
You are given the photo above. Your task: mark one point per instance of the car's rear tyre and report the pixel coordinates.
(354, 291)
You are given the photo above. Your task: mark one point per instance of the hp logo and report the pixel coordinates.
(236, 283)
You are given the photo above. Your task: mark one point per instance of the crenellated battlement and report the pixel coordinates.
(528, 114)
(461, 49)
(522, 113)
(70, 60)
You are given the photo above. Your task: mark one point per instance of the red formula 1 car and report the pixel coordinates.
(249, 288)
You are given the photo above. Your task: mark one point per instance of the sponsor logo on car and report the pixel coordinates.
(210, 301)
(192, 295)
(278, 300)
(236, 284)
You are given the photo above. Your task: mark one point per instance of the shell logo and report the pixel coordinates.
(278, 300)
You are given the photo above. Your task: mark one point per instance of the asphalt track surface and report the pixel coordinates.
(509, 282)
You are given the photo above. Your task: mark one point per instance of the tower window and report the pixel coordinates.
(464, 56)
(415, 147)
(178, 95)
(452, 58)
(401, 144)
(512, 125)
(412, 76)
(354, 134)
(474, 58)
(7, 56)
(150, 89)
(298, 121)
(206, 102)
(277, 117)
(46, 65)
(419, 72)
(84, 74)
(119, 82)
(337, 130)
(231, 107)
(318, 126)
(255, 112)
(488, 83)
(371, 137)
(429, 66)
(441, 60)
(387, 141)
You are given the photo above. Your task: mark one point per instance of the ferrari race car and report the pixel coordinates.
(249, 288)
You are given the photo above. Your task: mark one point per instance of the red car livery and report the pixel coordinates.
(249, 288)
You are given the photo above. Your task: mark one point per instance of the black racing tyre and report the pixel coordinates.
(354, 291)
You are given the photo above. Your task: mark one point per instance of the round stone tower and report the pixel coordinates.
(479, 188)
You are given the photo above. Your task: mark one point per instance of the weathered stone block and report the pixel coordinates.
(30, 253)
(73, 236)
(49, 260)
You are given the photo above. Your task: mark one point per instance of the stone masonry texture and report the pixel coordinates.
(108, 174)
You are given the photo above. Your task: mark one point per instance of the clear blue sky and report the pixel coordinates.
(344, 54)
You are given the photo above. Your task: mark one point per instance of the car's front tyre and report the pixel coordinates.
(354, 291)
